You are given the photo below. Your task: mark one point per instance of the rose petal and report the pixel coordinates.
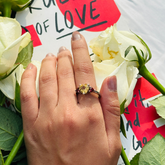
(102, 70)
(7, 86)
(125, 39)
(10, 30)
(10, 54)
(125, 81)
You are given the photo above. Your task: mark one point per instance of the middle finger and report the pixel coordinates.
(65, 74)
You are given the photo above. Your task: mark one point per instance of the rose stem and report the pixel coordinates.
(15, 149)
(2, 160)
(7, 9)
(143, 71)
(124, 157)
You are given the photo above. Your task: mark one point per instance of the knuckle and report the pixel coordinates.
(114, 108)
(26, 75)
(49, 58)
(27, 96)
(64, 54)
(84, 67)
(69, 121)
(79, 46)
(93, 118)
(65, 73)
(46, 78)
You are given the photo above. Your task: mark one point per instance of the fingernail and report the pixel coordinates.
(30, 66)
(76, 36)
(50, 55)
(112, 83)
(62, 48)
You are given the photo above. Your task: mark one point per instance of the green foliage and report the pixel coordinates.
(25, 55)
(17, 97)
(122, 128)
(10, 128)
(159, 104)
(153, 153)
(15, 5)
(142, 58)
(148, 55)
(2, 98)
(22, 162)
(20, 155)
(24, 58)
(1, 158)
(135, 159)
(10, 72)
(122, 106)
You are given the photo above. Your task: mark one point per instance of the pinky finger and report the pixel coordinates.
(29, 99)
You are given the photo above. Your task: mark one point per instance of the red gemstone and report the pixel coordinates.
(91, 89)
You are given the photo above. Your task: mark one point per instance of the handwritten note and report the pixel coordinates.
(142, 122)
(54, 22)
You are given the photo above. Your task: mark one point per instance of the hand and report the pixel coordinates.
(57, 129)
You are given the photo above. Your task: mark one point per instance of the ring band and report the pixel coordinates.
(86, 88)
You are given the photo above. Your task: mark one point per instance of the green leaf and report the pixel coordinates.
(20, 155)
(122, 106)
(13, 69)
(23, 162)
(122, 128)
(153, 153)
(159, 104)
(135, 159)
(10, 128)
(2, 98)
(128, 50)
(25, 55)
(146, 46)
(15, 5)
(17, 97)
(141, 60)
(1, 158)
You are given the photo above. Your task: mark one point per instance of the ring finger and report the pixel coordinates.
(83, 68)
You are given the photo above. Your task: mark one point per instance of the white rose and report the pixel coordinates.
(7, 85)
(126, 77)
(109, 48)
(112, 44)
(11, 43)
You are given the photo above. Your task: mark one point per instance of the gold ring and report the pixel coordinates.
(86, 88)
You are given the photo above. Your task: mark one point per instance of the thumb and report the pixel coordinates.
(111, 111)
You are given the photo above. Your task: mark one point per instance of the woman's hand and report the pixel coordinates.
(61, 130)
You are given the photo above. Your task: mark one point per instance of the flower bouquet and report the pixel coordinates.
(16, 51)
(119, 53)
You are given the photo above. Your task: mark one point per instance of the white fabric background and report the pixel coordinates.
(147, 19)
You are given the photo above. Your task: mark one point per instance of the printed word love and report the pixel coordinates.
(91, 15)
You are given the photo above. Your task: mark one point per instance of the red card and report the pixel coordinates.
(34, 35)
(91, 15)
(141, 118)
